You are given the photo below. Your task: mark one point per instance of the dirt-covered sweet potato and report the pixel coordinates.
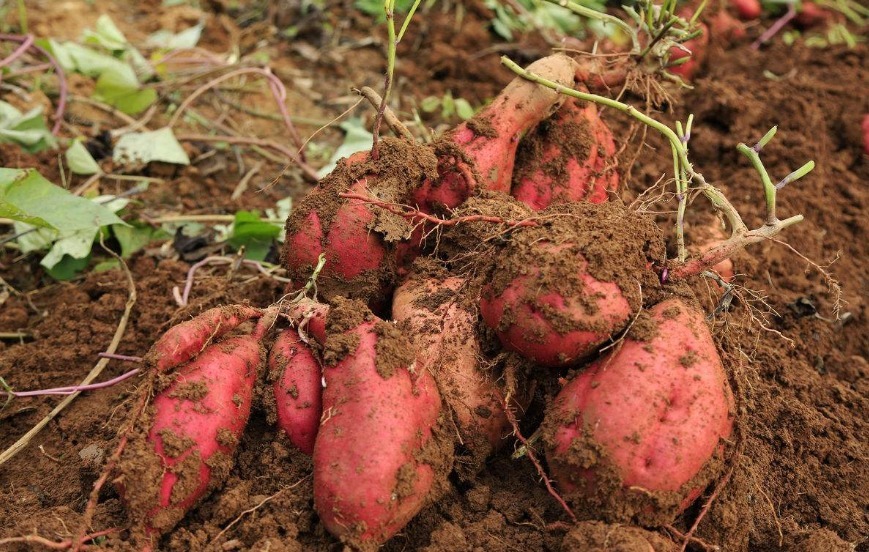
(638, 434)
(439, 319)
(360, 240)
(372, 468)
(183, 446)
(561, 289)
(568, 157)
(479, 154)
(184, 341)
(297, 389)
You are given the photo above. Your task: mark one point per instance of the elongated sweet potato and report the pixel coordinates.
(297, 387)
(479, 154)
(183, 447)
(184, 341)
(371, 475)
(440, 322)
(636, 435)
(568, 157)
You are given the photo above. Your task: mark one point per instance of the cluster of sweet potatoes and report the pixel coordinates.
(467, 284)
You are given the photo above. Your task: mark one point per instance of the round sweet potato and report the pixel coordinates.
(361, 241)
(638, 434)
(561, 289)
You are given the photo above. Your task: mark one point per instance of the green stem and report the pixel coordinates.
(22, 17)
(602, 17)
(392, 42)
(682, 166)
(768, 186)
(407, 20)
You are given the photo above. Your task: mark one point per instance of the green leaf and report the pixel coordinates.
(357, 138)
(80, 160)
(28, 197)
(144, 147)
(67, 268)
(136, 236)
(89, 62)
(448, 106)
(167, 40)
(121, 89)
(76, 245)
(106, 34)
(106, 265)
(429, 104)
(254, 234)
(464, 109)
(27, 130)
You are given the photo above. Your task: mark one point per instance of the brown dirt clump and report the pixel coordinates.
(596, 536)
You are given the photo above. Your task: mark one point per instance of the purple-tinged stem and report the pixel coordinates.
(71, 389)
(28, 42)
(775, 27)
(125, 358)
(61, 76)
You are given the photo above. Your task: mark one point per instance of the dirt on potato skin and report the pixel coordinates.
(801, 483)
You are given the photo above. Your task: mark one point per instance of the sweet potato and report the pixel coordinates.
(568, 157)
(440, 322)
(479, 154)
(561, 289)
(183, 447)
(371, 473)
(184, 341)
(811, 15)
(636, 435)
(360, 240)
(725, 28)
(297, 387)
(695, 50)
(747, 9)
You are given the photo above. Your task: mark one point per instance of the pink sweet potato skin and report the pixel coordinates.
(698, 47)
(645, 419)
(479, 154)
(184, 341)
(747, 9)
(196, 423)
(298, 389)
(577, 161)
(365, 245)
(526, 316)
(444, 336)
(369, 480)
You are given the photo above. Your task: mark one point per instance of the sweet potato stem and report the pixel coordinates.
(392, 42)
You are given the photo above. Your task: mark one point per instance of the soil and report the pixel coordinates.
(795, 341)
